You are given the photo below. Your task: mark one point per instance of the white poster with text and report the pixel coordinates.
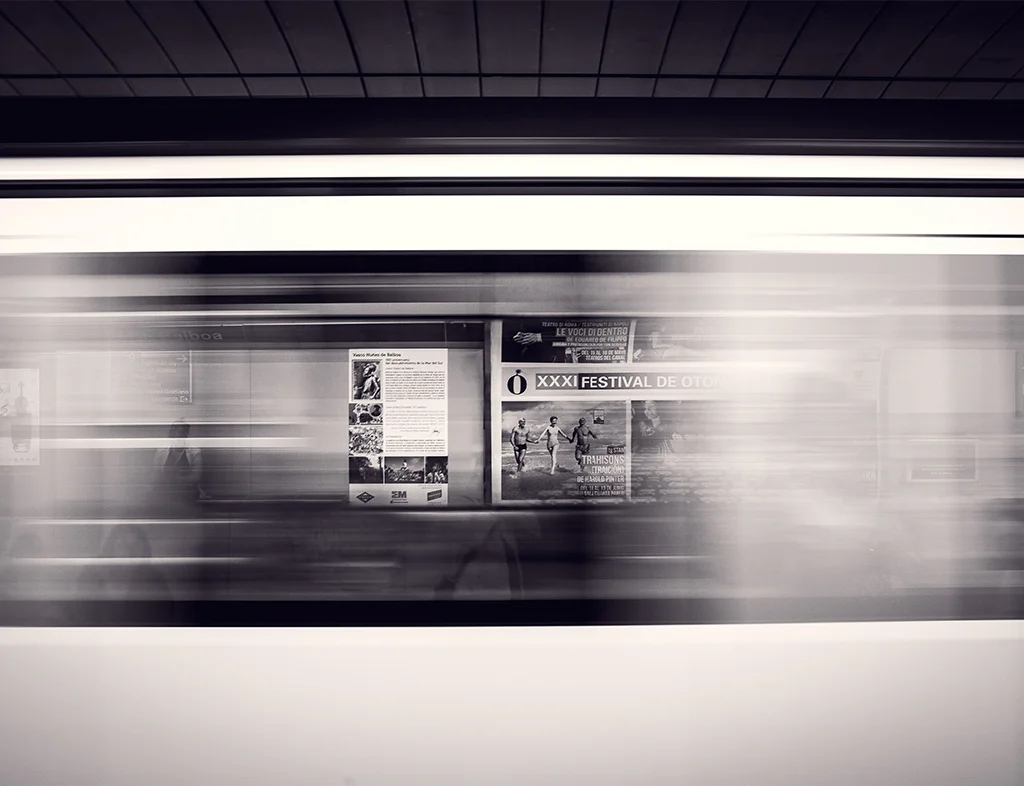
(398, 427)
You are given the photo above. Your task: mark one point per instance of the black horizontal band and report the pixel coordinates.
(533, 186)
(937, 605)
(144, 126)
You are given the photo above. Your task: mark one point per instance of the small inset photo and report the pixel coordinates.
(366, 414)
(403, 469)
(366, 380)
(365, 440)
(437, 469)
(365, 469)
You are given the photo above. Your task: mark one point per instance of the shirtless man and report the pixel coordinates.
(581, 436)
(520, 439)
(550, 436)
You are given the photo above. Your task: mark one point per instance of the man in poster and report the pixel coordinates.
(520, 439)
(581, 436)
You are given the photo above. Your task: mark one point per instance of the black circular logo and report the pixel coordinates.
(517, 383)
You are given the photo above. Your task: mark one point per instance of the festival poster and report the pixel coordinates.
(563, 451)
(690, 429)
(398, 427)
(19, 417)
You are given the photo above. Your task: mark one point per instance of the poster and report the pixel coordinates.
(19, 417)
(677, 426)
(398, 427)
(565, 341)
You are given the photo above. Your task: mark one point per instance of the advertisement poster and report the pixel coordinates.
(398, 427)
(19, 417)
(687, 428)
(565, 341)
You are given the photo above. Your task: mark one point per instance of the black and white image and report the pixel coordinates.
(403, 469)
(437, 469)
(565, 341)
(365, 440)
(367, 380)
(365, 469)
(366, 414)
(556, 450)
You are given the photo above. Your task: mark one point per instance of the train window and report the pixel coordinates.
(582, 397)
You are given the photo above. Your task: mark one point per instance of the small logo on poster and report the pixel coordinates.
(432, 495)
(399, 497)
(517, 383)
(365, 497)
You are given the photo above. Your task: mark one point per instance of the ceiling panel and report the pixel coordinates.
(99, 88)
(445, 35)
(956, 39)
(1002, 55)
(252, 36)
(568, 86)
(573, 37)
(624, 87)
(446, 48)
(218, 87)
(451, 86)
(381, 37)
(6, 90)
(58, 37)
(123, 36)
(741, 88)
(893, 37)
(335, 86)
(914, 90)
(18, 55)
(37, 88)
(764, 36)
(276, 86)
(681, 87)
(316, 35)
(971, 90)
(635, 41)
(830, 35)
(394, 86)
(187, 36)
(1011, 91)
(700, 37)
(509, 33)
(159, 87)
(804, 88)
(861, 88)
(510, 86)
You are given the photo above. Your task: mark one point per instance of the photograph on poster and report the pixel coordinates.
(672, 453)
(565, 341)
(563, 449)
(366, 414)
(365, 469)
(403, 469)
(367, 380)
(437, 469)
(365, 440)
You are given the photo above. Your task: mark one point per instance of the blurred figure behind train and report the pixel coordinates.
(179, 470)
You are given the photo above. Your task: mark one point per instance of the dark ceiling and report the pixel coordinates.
(514, 48)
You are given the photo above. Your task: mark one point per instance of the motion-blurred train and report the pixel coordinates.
(199, 419)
